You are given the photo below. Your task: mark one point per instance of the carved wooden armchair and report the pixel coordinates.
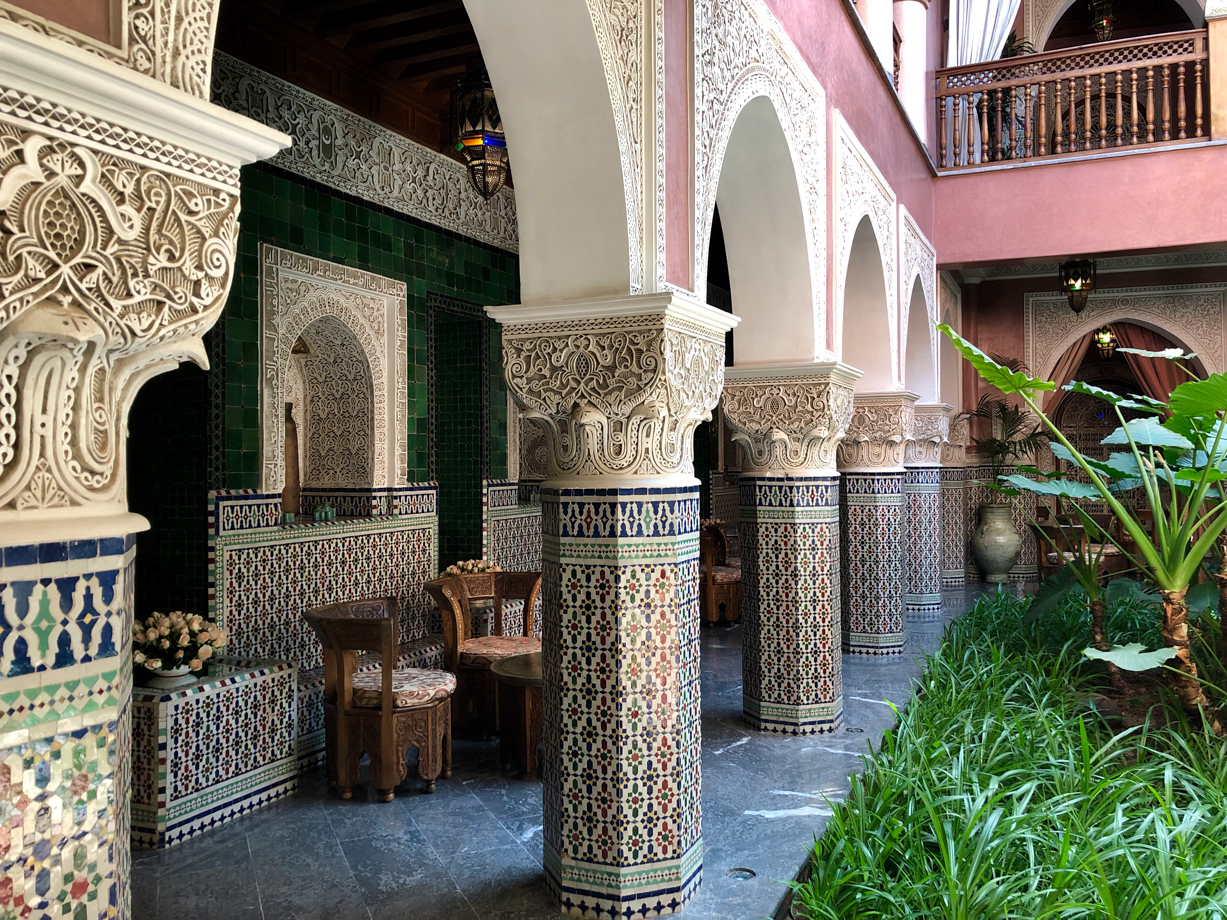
(379, 712)
(470, 658)
(719, 582)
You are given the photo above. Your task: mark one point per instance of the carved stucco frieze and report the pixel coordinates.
(741, 52)
(788, 423)
(615, 396)
(930, 432)
(875, 437)
(954, 450)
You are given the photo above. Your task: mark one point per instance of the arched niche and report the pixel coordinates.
(1042, 17)
(866, 313)
(919, 368)
(765, 243)
(337, 435)
(949, 366)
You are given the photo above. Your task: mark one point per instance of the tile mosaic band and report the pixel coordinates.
(922, 488)
(872, 555)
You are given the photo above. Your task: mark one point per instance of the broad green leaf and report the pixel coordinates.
(1066, 488)
(1124, 485)
(1127, 402)
(1201, 598)
(1148, 432)
(1131, 657)
(1054, 589)
(1212, 475)
(1004, 379)
(1200, 397)
(1170, 353)
(1122, 464)
(1108, 468)
(1126, 589)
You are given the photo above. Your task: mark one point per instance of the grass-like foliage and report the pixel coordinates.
(999, 796)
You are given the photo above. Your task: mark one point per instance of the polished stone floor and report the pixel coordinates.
(473, 849)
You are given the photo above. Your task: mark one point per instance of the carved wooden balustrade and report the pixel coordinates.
(1151, 91)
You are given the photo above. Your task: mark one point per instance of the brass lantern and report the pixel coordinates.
(477, 131)
(1103, 19)
(1105, 341)
(1077, 281)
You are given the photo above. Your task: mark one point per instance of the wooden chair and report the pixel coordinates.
(379, 712)
(470, 658)
(719, 582)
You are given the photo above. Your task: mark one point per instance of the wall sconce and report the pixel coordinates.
(1077, 281)
(1103, 19)
(1105, 341)
(477, 130)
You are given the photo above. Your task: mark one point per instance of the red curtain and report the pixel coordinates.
(1158, 376)
(1064, 372)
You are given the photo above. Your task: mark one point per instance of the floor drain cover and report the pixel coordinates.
(740, 873)
(859, 731)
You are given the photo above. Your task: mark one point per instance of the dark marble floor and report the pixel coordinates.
(473, 849)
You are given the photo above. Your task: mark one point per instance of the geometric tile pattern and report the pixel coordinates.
(724, 496)
(954, 526)
(790, 569)
(622, 821)
(65, 729)
(212, 750)
(511, 530)
(871, 543)
(922, 491)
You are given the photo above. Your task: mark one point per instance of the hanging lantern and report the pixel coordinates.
(477, 131)
(1105, 341)
(1103, 19)
(1077, 281)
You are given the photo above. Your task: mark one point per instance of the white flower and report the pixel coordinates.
(165, 643)
(153, 663)
(139, 657)
(194, 664)
(205, 653)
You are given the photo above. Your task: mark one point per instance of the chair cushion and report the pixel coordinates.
(410, 687)
(725, 575)
(489, 649)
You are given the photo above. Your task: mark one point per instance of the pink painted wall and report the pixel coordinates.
(89, 17)
(1167, 198)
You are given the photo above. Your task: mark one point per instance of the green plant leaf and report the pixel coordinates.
(1126, 589)
(1212, 475)
(1007, 381)
(1054, 589)
(1131, 657)
(1201, 598)
(1066, 488)
(1170, 353)
(1200, 397)
(1148, 432)
(1126, 402)
(1122, 464)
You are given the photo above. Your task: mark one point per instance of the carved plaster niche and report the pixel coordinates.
(918, 258)
(168, 40)
(930, 433)
(1190, 314)
(353, 321)
(1040, 16)
(954, 450)
(789, 420)
(860, 191)
(741, 52)
(116, 254)
(875, 438)
(617, 386)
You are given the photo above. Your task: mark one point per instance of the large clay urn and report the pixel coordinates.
(995, 543)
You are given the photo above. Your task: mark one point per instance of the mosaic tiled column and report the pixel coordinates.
(922, 495)
(788, 422)
(618, 387)
(119, 199)
(873, 522)
(954, 506)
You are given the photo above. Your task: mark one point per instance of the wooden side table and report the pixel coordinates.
(519, 702)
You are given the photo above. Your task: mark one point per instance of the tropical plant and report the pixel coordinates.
(1176, 462)
(1014, 436)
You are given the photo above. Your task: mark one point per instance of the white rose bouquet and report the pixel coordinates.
(165, 641)
(471, 567)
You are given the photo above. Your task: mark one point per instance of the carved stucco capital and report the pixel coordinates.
(791, 419)
(954, 451)
(616, 386)
(930, 431)
(881, 424)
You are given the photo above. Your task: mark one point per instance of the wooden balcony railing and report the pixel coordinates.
(1071, 102)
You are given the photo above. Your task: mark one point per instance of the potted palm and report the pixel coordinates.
(996, 543)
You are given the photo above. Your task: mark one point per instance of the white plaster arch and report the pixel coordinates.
(765, 242)
(1043, 15)
(568, 77)
(949, 368)
(742, 53)
(917, 266)
(920, 349)
(869, 323)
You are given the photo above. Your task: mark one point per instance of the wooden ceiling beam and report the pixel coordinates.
(387, 13)
(427, 65)
(379, 40)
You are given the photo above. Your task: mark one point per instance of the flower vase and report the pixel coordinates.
(166, 678)
(995, 543)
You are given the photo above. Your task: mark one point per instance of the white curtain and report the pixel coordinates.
(978, 30)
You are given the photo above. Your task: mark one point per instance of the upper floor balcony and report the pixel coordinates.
(1137, 93)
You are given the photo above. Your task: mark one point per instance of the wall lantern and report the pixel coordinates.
(477, 130)
(1077, 281)
(1103, 19)
(1105, 341)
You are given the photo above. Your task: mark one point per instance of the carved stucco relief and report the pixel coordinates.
(875, 437)
(861, 191)
(918, 258)
(343, 151)
(1039, 17)
(1192, 314)
(930, 433)
(741, 52)
(340, 403)
(296, 293)
(954, 449)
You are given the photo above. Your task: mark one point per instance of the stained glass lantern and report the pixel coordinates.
(1077, 281)
(1103, 19)
(1105, 341)
(477, 131)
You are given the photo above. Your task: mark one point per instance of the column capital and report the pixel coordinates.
(881, 423)
(930, 430)
(617, 384)
(954, 451)
(789, 418)
(1216, 9)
